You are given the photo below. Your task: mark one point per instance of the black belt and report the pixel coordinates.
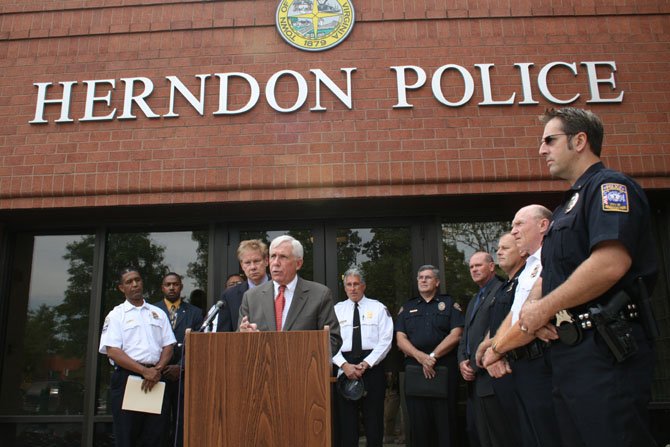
(356, 359)
(119, 368)
(530, 351)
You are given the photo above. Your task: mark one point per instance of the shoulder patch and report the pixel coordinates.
(105, 325)
(400, 310)
(614, 197)
(457, 307)
(388, 314)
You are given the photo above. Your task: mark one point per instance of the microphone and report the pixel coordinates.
(213, 312)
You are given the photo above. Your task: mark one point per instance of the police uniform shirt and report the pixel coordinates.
(501, 304)
(141, 332)
(376, 329)
(426, 324)
(531, 272)
(603, 205)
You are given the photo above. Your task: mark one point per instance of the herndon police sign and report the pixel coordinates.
(315, 25)
(100, 94)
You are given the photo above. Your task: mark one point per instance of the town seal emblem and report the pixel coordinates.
(315, 25)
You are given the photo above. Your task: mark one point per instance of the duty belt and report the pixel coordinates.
(530, 351)
(570, 328)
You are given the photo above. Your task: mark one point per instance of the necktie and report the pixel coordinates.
(356, 342)
(478, 299)
(173, 315)
(280, 301)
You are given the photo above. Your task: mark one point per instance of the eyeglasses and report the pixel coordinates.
(550, 138)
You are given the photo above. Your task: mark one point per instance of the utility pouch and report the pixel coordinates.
(616, 331)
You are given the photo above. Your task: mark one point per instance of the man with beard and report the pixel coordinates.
(182, 316)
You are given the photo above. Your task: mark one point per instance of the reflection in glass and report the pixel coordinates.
(49, 305)
(460, 242)
(36, 435)
(385, 257)
(153, 255)
(303, 235)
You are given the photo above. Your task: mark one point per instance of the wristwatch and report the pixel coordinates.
(432, 355)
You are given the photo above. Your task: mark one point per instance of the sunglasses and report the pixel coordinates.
(551, 138)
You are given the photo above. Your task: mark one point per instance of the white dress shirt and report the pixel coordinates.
(527, 278)
(376, 329)
(141, 332)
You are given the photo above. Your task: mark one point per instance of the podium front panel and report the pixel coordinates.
(258, 389)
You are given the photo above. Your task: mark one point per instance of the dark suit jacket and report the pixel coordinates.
(476, 327)
(188, 317)
(232, 298)
(312, 308)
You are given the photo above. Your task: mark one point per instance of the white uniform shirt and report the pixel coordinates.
(141, 332)
(527, 278)
(376, 329)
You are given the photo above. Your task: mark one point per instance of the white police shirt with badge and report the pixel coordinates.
(527, 278)
(141, 332)
(376, 329)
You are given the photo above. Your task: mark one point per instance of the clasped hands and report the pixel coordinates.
(428, 364)
(151, 377)
(534, 320)
(355, 372)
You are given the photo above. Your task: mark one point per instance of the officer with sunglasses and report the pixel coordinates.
(599, 260)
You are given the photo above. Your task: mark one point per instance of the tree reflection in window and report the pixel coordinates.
(460, 241)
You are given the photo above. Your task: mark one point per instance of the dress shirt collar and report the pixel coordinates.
(361, 302)
(252, 285)
(290, 287)
(169, 304)
(127, 306)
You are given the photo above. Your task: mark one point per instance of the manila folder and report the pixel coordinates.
(135, 399)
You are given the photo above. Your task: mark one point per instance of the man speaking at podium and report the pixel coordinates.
(288, 302)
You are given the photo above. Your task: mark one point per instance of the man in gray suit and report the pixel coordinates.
(480, 388)
(288, 302)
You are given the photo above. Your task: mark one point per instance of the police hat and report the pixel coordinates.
(350, 389)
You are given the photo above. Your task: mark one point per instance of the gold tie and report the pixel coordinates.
(173, 315)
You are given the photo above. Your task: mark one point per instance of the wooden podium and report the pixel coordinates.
(257, 389)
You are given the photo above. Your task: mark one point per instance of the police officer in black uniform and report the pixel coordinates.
(599, 262)
(428, 331)
(508, 429)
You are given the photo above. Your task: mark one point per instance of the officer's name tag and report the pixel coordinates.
(413, 310)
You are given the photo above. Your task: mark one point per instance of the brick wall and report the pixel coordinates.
(371, 150)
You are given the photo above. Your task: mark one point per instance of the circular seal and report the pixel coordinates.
(315, 25)
(441, 306)
(572, 202)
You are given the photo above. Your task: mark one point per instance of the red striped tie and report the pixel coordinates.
(280, 301)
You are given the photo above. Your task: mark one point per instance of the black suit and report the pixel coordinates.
(188, 317)
(232, 298)
(229, 315)
(483, 416)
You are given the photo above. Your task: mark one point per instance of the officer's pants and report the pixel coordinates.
(372, 407)
(532, 380)
(497, 414)
(429, 421)
(600, 402)
(132, 428)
